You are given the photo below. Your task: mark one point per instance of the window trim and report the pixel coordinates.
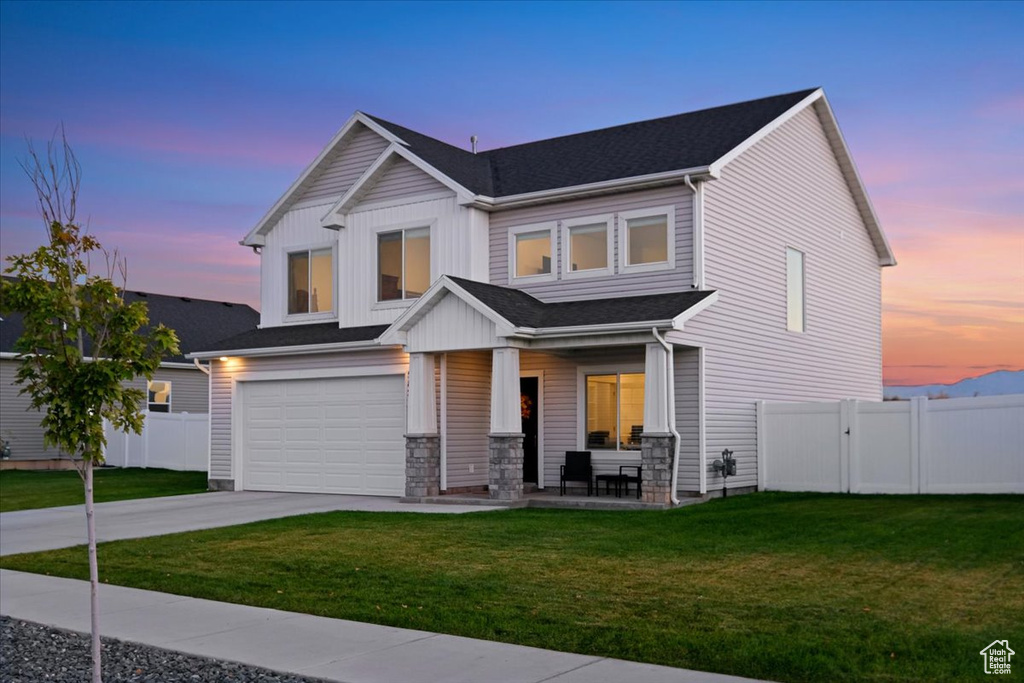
(670, 221)
(803, 290)
(582, 371)
(513, 233)
(298, 249)
(428, 224)
(170, 396)
(566, 225)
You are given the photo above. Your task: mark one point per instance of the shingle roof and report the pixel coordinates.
(197, 322)
(690, 140)
(296, 335)
(523, 310)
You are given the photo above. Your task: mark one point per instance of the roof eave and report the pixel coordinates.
(295, 350)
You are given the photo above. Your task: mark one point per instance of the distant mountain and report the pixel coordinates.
(995, 383)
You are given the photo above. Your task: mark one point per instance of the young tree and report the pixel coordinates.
(82, 343)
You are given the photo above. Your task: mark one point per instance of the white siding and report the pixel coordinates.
(681, 277)
(346, 164)
(451, 325)
(402, 179)
(785, 191)
(18, 423)
(455, 238)
(220, 418)
(298, 228)
(469, 417)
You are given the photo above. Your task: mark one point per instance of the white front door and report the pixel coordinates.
(339, 435)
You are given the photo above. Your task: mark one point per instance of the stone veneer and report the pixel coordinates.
(656, 452)
(506, 466)
(422, 465)
(221, 484)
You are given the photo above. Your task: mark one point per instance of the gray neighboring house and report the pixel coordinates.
(178, 386)
(441, 320)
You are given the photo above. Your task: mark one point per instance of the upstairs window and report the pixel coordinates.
(403, 264)
(533, 253)
(795, 309)
(159, 396)
(310, 282)
(587, 246)
(647, 239)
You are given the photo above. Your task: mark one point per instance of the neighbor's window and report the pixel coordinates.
(403, 264)
(159, 396)
(615, 411)
(587, 247)
(310, 281)
(533, 253)
(795, 313)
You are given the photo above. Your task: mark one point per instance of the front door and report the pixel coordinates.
(528, 399)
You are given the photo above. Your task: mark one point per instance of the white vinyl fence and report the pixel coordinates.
(956, 445)
(173, 441)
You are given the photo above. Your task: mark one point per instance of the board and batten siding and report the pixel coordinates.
(619, 284)
(785, 191)
(401, 179)
(222, 373)
(346, 165)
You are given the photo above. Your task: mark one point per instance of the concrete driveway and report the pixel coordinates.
(28, 531)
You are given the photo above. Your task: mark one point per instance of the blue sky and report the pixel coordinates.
(190, 119)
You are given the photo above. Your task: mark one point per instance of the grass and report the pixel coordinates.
(790, 587)
(29, 490)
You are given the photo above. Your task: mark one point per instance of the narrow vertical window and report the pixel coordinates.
(795, 313)
(310, 282)
(403, 264)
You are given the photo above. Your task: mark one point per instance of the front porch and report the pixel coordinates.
(549, 498)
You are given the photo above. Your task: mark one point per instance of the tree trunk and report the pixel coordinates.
(94, 573)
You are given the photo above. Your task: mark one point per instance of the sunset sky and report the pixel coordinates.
(190, 120)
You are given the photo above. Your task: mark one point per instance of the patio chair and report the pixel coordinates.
(628, 479)
(576, 468)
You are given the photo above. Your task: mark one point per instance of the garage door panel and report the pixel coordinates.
(343, 435)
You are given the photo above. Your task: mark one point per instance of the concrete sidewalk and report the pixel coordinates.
(332, 649)
(27, 531)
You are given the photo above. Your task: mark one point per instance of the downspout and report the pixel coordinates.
(698, 232)
(202, 368)
(671, 412)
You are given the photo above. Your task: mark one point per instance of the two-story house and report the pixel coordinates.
(439, 320)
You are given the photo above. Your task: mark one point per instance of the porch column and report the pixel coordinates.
(506, 436)
(656, 442)
(422, 441)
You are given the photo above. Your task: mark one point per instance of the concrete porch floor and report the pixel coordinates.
(549, 498)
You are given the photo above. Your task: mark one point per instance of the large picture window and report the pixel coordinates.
(403, 264)
(614, 411)
(159, 396)
(795, 312)
(310, 281)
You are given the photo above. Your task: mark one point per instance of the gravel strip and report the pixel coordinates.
(30, 652)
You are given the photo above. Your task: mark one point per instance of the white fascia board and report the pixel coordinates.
(577, 191)
(335, 216)
(11, 355)
(716, 167)
(255, 237)
(303, 350)
(886, 257)
(678, 321)
(589, 330)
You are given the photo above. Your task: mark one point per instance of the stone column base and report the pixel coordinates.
(422, 465)
(506, 466)
(656, 451)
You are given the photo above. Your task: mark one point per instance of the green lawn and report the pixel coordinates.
(27, 490)
(791, 587)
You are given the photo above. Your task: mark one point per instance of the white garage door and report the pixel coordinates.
(344, 435)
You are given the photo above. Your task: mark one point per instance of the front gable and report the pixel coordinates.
(399, 180)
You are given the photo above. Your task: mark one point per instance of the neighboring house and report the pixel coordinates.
(178, 386)
(424, 306)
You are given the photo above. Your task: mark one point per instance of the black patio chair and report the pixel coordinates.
(628, 479)
(576, 468)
